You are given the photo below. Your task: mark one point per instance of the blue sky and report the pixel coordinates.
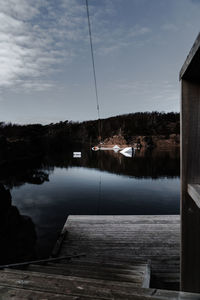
(45, 60)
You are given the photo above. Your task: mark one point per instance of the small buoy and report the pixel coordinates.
(95, 148)
(76, 154)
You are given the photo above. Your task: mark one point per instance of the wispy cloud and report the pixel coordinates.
(40, 37)
(33, 39)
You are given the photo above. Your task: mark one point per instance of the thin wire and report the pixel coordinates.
(93, 64)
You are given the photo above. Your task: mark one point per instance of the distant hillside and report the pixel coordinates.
(128, 125)
(138, 124)
(151, 129)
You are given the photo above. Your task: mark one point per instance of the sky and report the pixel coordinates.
(45, 60)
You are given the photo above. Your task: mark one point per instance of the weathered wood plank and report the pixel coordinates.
(110, 275)
(68, 285)
(125, 218)
(11, 293)
(194, 192)
(42, 286)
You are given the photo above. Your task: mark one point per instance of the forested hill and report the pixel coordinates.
(137, 124)
(129, 125)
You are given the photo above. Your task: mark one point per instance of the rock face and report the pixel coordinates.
(17, 232)
(115, 140)
(153, 141)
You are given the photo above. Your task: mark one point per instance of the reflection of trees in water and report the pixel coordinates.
(145, 164)
(151, 164)
(27, 171)
(17, 232)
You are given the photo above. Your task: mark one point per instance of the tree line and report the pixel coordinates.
(128, 125)
(23, 142)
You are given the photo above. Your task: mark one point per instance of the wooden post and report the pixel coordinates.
(190, 171)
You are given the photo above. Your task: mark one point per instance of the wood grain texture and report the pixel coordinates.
(113, 267)
(21, 285)
(194, 193)
(190, 174)
(125, 240)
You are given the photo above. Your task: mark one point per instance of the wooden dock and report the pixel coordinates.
(127, 239)
(119, 255)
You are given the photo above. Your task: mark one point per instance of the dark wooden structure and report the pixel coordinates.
(190, 170)
(121, 255)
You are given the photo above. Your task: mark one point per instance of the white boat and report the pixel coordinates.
(116, 148)
(128, 151)
(76, 154)
(127, 154)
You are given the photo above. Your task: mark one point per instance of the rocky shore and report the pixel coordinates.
(142, 141)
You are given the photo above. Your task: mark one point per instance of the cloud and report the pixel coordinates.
(41, 37)
(36, 38)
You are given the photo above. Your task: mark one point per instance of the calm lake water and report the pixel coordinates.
(98, 183)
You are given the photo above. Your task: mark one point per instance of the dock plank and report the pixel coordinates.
(21, 285)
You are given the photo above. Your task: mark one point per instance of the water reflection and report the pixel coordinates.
(53, 186)
(144, 164)
(17, 233)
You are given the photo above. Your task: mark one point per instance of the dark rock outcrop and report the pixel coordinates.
(17, 232)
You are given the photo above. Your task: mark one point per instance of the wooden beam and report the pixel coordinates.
(194, 192)
(190, 174)
(189, 67)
